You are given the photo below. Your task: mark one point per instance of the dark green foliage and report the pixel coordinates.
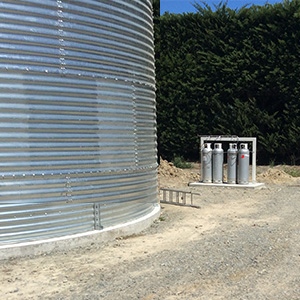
(293, 172)
(156, 8)
(230, 72)
(180, 162)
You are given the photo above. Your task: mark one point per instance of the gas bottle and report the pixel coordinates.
(218, 157)
(243, 164)
(232, 163)
(207, 163)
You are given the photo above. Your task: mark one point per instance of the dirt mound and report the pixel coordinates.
(276, 176)
(180, 177)
(168, 169)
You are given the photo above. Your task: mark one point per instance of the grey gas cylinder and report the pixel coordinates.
(218, 158)
(243, 164)
(207, 163)
(232, 163)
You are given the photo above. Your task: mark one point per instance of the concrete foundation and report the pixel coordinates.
(244, 186)
(79, 240)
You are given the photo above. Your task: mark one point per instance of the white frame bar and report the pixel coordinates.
(223, 138)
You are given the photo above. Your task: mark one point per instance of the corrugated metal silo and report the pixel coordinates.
(77, 116)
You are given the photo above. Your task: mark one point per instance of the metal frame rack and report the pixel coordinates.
(208, 138)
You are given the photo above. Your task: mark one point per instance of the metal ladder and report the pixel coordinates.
(178, 197)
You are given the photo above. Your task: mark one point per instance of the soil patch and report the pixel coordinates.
(240, 244)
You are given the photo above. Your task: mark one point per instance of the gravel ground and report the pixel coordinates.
(240, 244)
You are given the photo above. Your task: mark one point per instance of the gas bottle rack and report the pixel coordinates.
(231, 139)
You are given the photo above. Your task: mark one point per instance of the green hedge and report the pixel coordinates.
(233, 72)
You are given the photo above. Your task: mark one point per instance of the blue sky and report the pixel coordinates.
(181, 6)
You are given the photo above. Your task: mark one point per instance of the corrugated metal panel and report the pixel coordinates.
(77, 115)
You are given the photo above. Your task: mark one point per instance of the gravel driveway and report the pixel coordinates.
(240, 244)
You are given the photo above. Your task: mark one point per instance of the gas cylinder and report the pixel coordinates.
(207, 163)
(243, 164)
(231, 163)
(218, 157)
